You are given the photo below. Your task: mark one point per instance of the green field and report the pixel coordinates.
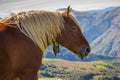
(56, 69)
(45, 60)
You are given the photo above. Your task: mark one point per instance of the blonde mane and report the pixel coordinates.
(40, 26)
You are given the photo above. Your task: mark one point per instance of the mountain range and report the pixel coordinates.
(104, 33)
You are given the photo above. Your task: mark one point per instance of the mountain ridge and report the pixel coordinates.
(108, 43)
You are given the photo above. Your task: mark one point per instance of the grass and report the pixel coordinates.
(77, 71)
(100, 66)
(116, 61)
(45, 60)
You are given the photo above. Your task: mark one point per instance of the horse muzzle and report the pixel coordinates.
(84, 52)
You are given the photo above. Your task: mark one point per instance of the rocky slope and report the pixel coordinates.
(108, 43)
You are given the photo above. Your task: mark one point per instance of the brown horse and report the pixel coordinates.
(25, 36)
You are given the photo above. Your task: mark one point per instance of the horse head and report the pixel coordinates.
(71, 37)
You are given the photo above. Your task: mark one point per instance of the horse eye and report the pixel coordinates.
(74, 28)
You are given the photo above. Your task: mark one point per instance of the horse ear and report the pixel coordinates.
(67, 11)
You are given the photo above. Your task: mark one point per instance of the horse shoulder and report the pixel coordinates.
(2, 26)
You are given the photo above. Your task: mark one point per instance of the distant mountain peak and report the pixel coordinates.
(101, 10)
(92, 11)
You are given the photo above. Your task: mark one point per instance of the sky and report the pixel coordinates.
(79, 5)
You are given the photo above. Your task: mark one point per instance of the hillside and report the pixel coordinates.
(67, 70)
(108, 43)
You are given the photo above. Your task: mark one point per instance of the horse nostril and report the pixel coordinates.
(87, 49)
(84, 52)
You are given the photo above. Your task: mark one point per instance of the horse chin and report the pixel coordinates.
(82, 56)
